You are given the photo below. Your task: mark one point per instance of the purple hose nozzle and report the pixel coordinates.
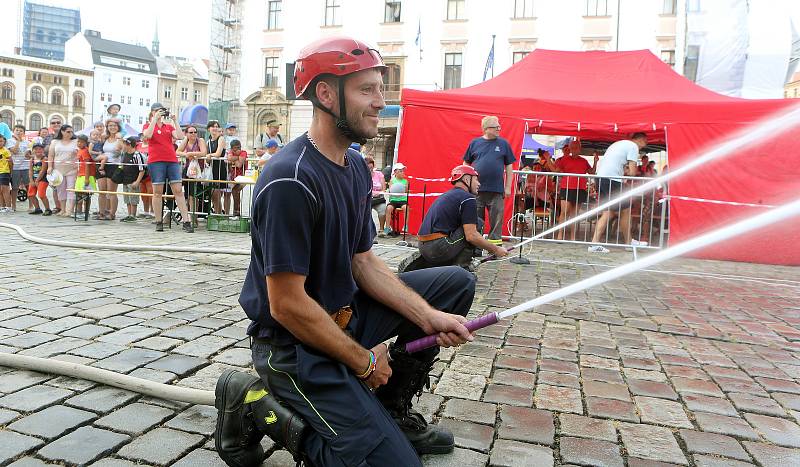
(430, 341)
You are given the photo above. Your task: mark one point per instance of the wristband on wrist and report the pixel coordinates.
(370, 368)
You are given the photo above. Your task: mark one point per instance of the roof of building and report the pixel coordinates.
(168, 66)
(66, 65)
(102, 46)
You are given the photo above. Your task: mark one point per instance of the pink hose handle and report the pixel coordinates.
(493, 257)
(430, 341)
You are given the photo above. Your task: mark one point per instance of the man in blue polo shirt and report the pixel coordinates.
(450, 231)
(322, 304)
(492, 157)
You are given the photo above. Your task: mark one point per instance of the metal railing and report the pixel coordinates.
(545, 199)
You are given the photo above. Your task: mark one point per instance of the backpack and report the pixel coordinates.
(128, 171)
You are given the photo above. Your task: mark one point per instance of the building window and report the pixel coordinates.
(392, 12)
(36, 94)
(121, 100)
(147, 102)
(168, 92)
(332, 12)
(184, 94)
(126, 81)
(8, 72)
(523, 8)
(271, 72)
(668, 57)
(596, 7)
(198, 96)
(274, 15)
(7, 117)
(79, 83)
(56, 97)
(690, 63)
(109, 97)
(518, 56)
(77, 100)
(129, 100)
(141, 119)
(141, 101)
(102, 96)
(35, 122)
(145, 83)
(391, 82)
(7, 91)
(455, 9)
(452, 71)
(57, 80)
(36, 77)
(693, 6)
(108, 77)
(670, 7)
(77, 123)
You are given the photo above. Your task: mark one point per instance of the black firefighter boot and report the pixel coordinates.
(245, 413)
(409, 377)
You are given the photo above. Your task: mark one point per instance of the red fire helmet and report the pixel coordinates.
(336, 56)
(461, 170)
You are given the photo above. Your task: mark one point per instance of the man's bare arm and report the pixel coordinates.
(291, 306)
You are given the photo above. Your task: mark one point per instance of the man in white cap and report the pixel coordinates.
(271, 134)
(398, 187)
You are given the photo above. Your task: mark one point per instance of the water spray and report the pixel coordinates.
(770, 217)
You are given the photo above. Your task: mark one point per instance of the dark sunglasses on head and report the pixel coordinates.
(55, 123)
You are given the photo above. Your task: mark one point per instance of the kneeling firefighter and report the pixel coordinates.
(450, 232)
(322, 304)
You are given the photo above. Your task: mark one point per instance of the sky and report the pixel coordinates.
(183, 28)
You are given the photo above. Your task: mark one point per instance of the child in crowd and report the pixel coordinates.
(6, 165)
(96, 149)
(38, 181)
(237, 161)
(86, 170)
(133, 165)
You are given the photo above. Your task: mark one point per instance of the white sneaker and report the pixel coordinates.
(638, 243)
(598, 249)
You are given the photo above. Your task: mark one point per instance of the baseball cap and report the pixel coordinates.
(398, 166)
(355, 146)
(230, 125)
(271, 144)
(156, 105)
(132, 140)
(37, 145)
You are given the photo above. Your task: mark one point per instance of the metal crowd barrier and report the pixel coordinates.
(545, 199)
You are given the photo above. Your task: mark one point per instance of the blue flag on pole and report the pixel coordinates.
(489, 61)
(418, 40)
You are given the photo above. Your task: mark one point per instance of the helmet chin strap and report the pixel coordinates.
(341, 120)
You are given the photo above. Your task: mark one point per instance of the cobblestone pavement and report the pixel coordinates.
(696, 364)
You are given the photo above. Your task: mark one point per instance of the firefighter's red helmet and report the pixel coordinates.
(336, 56)
(461, 170)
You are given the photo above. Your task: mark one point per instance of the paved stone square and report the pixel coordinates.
(696, 363)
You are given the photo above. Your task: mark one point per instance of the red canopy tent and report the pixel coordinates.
(606, 96)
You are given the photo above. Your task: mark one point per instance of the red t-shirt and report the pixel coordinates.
(234, 171)
(573, 165)
(85, 163)
(159, 146)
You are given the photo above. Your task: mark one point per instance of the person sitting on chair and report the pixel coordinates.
(451, 229)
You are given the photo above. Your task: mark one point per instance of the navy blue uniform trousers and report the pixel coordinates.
(351, 427)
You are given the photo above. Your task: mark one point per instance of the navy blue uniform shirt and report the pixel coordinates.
(309, 216)
(452, 210)
(490, 158)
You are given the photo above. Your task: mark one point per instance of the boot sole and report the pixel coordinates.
(436, 450)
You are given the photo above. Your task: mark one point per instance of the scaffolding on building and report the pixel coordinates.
(226, 55)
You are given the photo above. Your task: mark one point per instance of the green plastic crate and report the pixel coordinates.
(222, 223)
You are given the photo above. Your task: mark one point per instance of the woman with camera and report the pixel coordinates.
(162, 163)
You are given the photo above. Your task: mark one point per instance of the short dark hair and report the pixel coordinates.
(212, 123)
(236, 143)
(83, 138)
(638, 135)
(20, 126)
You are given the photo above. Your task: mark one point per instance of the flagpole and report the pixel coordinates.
(493, 55)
